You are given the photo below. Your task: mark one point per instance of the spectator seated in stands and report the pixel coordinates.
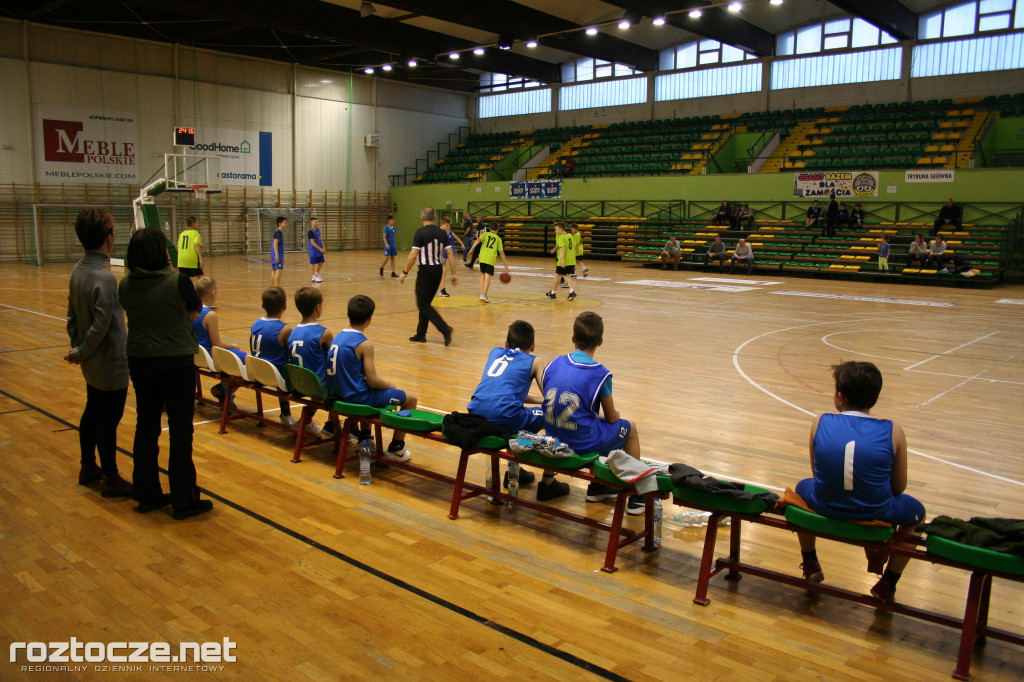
(744, 253)
(937, 252)
(918, 252)
(723, 215)
(949, 217)
(716, 252)
(813, 216)
(671, 254)
(857, 216)
(843, 217)
(870, 490)
(568, 166)
(745, 217)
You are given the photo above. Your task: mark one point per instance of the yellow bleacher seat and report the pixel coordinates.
(939, 136)
(931, 148)
(953, 136)
(924, 161)
(967, 112)
(939, 160)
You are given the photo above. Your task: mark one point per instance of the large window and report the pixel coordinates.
(968, 18)
(703, 52)
(970, 55)
(864, 66)
(723, 80)
(840, 33)
(499, 82)
(517, 103)
(603, 94)
(588, 69)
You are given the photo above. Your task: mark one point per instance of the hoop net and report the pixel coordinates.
(200, 191)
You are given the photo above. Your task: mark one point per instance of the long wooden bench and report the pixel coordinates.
(983, 565)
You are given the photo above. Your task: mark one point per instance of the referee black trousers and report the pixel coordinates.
(428, 279)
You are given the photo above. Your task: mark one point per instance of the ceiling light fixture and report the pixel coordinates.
(696, 14)
(735, 6)
(505, 41)
(366, 9)
(531, 43)
(386, 67)
(658, 21)
(478, 50)
(592, 31)
(454, 55)
(412, 62)
(368, 70)
(624, 24)
(774, 2)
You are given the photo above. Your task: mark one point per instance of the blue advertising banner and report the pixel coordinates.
(536, 189)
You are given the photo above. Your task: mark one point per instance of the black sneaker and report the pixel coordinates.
(551, 294)
(89, 473)
(200, 507)
(551, 491)
(419, 338)
(218, 393)
(382, 272)
(572, 295)
(443, 294)
(153, 505)
(525, 478)
(393, 274)
(598, 491)
(468, 265)
(635, 505)
(447, 333)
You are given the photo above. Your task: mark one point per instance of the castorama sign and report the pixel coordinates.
(246, 156)
(81, 144)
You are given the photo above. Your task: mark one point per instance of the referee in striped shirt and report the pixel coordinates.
(428, 246)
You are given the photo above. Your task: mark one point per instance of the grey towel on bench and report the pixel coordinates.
(999, 535)
(685, 475)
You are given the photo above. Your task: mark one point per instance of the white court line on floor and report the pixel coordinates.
(217, 420)
(951, 389)
(34, 312)
(736, 364)
(951, 350)
(759, 282)
(551, 275)
(1011, 301)
(825, 340)
(868, 299)
(672, 284)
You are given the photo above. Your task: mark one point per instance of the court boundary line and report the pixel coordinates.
(375, 572)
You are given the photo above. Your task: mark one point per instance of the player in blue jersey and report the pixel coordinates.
(309, 340)
(268, 340)
(860, 472)
(505, 386)
(390, 249)
(352, 375)
(207, 329)
(277, 252)
(576, 388)
(317, 252)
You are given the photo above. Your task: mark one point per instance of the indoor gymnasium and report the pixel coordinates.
(732, 192)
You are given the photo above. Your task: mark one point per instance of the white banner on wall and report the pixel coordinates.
(85, 144)
(246, 156)
(931, 175)
(850, 184)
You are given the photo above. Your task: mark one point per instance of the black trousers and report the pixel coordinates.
(97, 430)
(428, 279)
(164, 383)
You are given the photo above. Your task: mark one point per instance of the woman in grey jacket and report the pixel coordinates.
(160, 304)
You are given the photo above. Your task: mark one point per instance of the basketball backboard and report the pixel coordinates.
(185, 171)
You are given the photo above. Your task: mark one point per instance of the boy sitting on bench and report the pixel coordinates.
(860, 472)
(352, 375)
(505, 386)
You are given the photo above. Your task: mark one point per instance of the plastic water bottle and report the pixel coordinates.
(513, 481)
(488, 482)
(657, 521)
(693, 519)
(364, 463)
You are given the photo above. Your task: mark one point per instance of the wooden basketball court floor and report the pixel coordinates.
(317, 578)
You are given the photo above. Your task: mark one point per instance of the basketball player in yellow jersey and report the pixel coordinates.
(190, 251)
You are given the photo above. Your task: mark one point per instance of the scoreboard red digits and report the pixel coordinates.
(184, 137)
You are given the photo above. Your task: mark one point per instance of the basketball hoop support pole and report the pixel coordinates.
(144, 206)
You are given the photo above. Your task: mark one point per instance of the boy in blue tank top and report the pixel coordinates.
(317, 253)
(505, 386)
(860, 472)
(268, 340)
(352, 374)
(207, 329)
(309, 340)
(576, 389)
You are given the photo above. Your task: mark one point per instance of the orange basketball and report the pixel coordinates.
(505, 278)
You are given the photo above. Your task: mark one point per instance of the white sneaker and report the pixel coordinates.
(313, 429)
(564, 285)
(483, 297)
(402, 456)
(289, 420)
(319, 278)
(586, 271)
